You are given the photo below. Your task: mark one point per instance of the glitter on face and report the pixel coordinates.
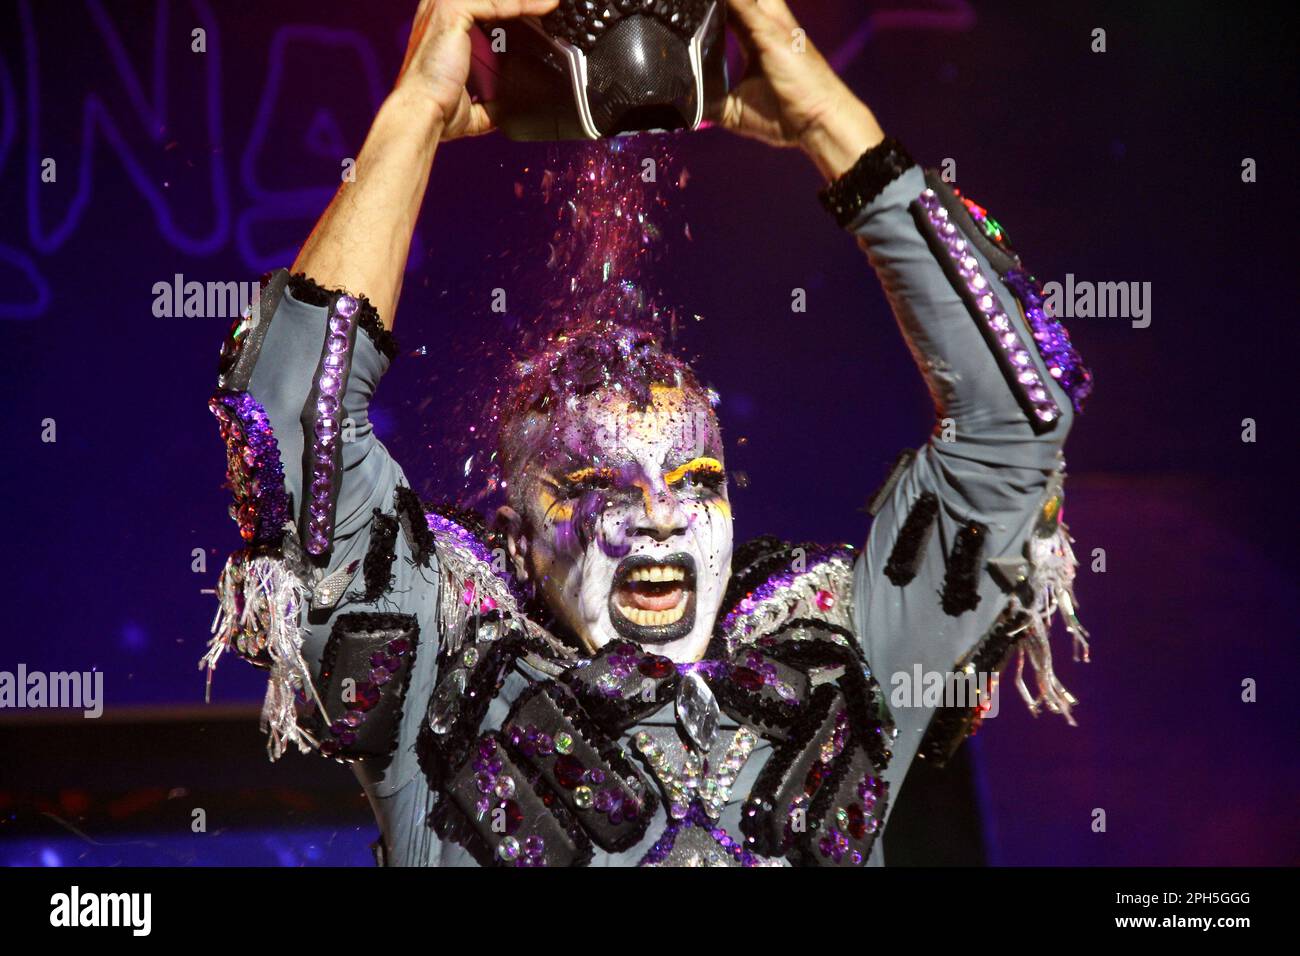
(635, 541)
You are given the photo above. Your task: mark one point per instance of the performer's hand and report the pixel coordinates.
(436, 66)
(790, 96)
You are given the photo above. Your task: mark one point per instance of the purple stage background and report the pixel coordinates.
(1123, 166)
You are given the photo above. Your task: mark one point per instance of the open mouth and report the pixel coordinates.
(653, 599)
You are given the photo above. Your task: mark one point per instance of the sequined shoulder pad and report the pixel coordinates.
(774, 582)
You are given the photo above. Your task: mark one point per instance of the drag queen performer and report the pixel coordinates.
(596, 676)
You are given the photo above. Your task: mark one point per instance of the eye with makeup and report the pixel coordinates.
(698, 474)
(583, 480)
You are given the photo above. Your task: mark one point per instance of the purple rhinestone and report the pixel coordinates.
(346, 306)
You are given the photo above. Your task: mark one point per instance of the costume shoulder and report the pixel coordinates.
(774, 582)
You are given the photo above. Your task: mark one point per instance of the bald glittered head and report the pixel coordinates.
(618, 509)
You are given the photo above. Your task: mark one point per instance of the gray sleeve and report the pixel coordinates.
(995, 469)
(282, 381)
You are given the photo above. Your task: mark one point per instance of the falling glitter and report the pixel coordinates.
(612, 207)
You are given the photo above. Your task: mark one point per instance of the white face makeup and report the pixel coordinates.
(628, 525)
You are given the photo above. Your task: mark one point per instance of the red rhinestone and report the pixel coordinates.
(857, 821)
(816, 774)
(367, 696)
(654, 666)
(568, 771)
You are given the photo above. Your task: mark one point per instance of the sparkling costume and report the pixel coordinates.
(396, 640)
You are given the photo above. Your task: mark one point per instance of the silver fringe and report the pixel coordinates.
(1053, 569)
(466, 580)
(261, 601)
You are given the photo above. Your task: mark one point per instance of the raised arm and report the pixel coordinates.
(310, 478)
(967, 560)
(361, 242)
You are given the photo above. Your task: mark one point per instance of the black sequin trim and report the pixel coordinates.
(379, 707)
(961, 582)
(765, 710)
(626, 704)
(909, 548)
(380, 555)
(617, 769)
(865, 180)
(951, 725)
(456, 817)
(822, 809)
(309, 292)
(817, 651)
(761, 821)
(440, 753)
(415, 525)
(871, 723)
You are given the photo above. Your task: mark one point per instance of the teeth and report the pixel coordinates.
(655, 618)
(658, 572)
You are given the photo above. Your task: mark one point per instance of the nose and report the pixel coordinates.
(663, 518)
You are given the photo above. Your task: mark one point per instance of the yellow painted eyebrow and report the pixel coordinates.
(582, 474)
(695, 464)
